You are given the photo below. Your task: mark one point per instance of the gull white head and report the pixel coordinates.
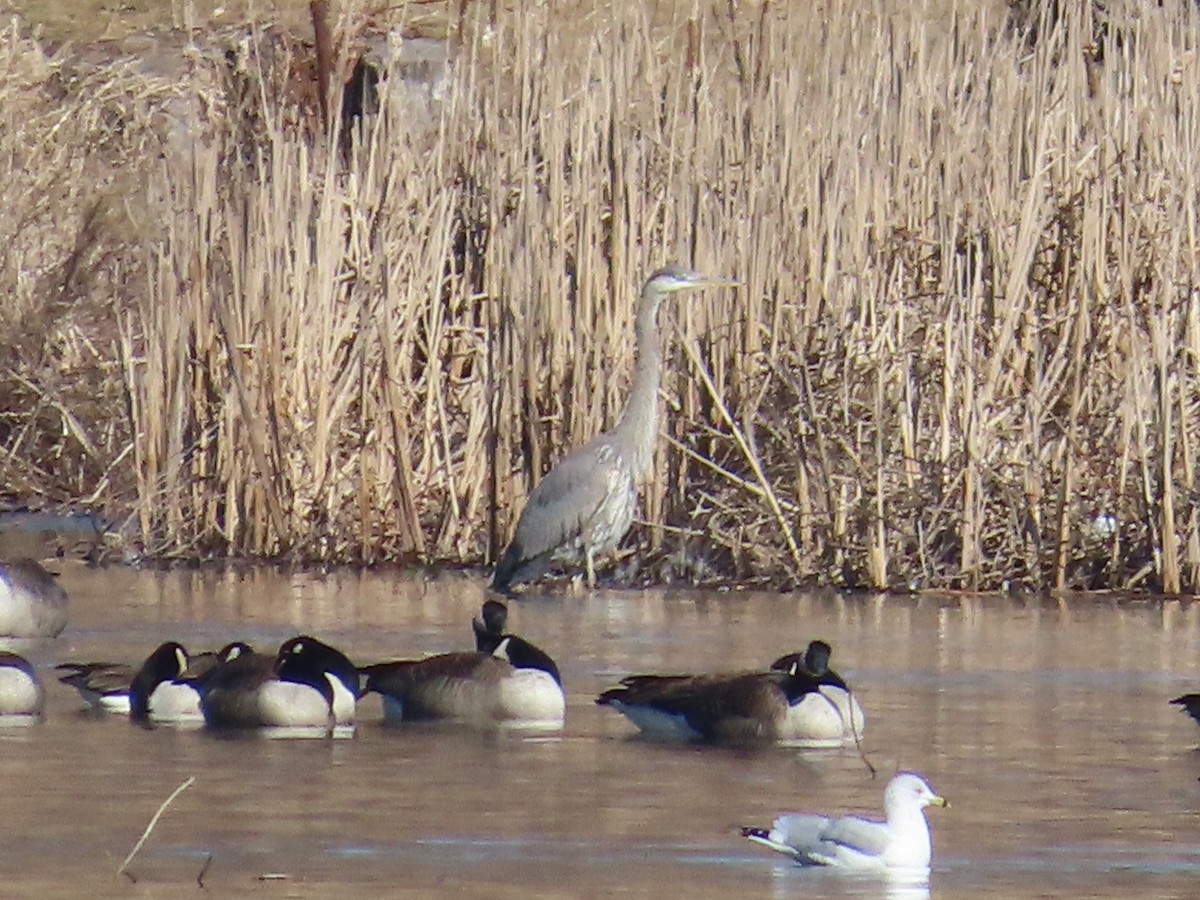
(907, 791)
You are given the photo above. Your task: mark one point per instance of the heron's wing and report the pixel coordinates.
(567, 499)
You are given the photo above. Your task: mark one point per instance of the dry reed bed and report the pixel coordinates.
(964, 352)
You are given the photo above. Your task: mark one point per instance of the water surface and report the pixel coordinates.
(1044, 721)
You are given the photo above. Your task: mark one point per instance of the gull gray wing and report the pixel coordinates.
(801, 832)
(851, 832)
(822, 840)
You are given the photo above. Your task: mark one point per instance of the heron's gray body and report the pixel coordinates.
(578, 512)
(586, 503)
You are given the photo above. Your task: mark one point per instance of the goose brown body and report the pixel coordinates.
(730, 707)
(505, 680)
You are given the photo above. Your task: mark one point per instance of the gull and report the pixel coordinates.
(901, 841)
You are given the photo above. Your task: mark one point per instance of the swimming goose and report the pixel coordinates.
(730, 707)
(22, 696)
(901, 841)
(307, 684)
(505, 680)
(161, 689)
(815, 661)
(167, 686)
(102, 685)
(32, 603)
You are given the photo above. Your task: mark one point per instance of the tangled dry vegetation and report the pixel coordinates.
(964, 352)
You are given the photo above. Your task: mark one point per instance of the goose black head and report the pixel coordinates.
(816, 657)
(814, 662)
(168, 662)
(304, 659)
(233, 650)
(489, 627)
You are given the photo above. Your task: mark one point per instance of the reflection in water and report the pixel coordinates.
(1045, 721)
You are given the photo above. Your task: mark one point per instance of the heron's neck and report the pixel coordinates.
(638, 425)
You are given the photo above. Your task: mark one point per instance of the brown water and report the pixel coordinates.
(1044, 722)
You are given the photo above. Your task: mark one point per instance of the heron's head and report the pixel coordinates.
(670, 279)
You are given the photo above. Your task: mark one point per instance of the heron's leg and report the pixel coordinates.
(591, 568)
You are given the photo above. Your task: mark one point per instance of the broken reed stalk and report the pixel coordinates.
(748, 454)
(121, 870)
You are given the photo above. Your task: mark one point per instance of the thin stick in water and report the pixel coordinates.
(154, 821)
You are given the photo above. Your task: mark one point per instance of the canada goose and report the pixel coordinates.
(307, 684)
(506, 680)
(22, 696)
(901, 841)
(167, 686)
(102, 685)
(160, 690)
(32, 603)
(815, 661)
(733, 707)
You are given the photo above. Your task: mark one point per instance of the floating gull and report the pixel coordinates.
(900, 842)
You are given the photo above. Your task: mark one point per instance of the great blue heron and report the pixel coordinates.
(585, 504)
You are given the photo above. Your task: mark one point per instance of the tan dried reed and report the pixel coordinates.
(964, 355)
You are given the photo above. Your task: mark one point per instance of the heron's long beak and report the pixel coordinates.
(717, 281)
